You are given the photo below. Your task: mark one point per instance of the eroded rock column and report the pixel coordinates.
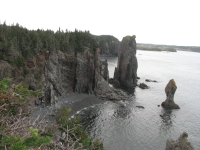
(126, 71)
(170, 90)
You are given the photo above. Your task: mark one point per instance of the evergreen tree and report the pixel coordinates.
(21, 42)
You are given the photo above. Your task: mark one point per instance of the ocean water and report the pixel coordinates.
(123, 126)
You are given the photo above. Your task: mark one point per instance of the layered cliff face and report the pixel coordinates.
(6, 70)
(57, 73)
(58, 76)
(109, 45)
(71, 72)
(30, 73)
(126, 71)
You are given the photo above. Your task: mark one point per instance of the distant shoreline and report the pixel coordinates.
(169, 51)
(158, 50)
(170, 48)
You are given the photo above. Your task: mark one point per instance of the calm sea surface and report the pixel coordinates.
(123, 126)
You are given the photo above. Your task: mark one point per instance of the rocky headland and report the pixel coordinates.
(170, 90)
(69, 72)
(109, 45)
(66, 65)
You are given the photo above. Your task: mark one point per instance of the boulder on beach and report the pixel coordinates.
(180, 144)
(170, 90)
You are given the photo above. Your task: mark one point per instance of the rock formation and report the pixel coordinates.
(126, 71)
(109, 45)
(149, 80)
(58, 72)
(30, 73)
(6, 70)
(170, 90)
(68, 72)
(104, 69)
(143, 86)
(180, 144)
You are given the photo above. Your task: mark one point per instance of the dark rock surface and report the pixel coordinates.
(126, 71)
(140, 107)
(180, 144)
(149, 80)
(30, 73)
(105, 92)
(170, 90)
(70, 72)
(104, 69)
(6, 70)
(143, 86)
(109, 45)
(57, 73)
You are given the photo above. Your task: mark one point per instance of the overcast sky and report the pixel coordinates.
(174, 22)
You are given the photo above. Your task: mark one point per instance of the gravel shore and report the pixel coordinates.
(75, 101)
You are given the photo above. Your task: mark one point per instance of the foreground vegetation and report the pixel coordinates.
(20, 131)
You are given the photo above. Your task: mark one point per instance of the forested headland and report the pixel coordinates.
(36, 66)
(18, 43)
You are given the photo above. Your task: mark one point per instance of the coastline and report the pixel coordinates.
(75, 101)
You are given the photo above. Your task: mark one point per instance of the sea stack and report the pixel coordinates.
(126, 71)
(170, 90)
(180, 144)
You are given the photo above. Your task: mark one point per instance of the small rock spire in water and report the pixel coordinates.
(170, 90)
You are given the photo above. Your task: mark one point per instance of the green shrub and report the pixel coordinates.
(11, 99)
(73, 124)
(4, 84)
(20, 143)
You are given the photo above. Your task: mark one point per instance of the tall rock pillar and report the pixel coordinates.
(126, 71)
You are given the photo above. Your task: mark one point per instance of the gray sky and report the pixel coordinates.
(152, 21)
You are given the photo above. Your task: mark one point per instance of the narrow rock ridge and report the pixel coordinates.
(126, 72)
